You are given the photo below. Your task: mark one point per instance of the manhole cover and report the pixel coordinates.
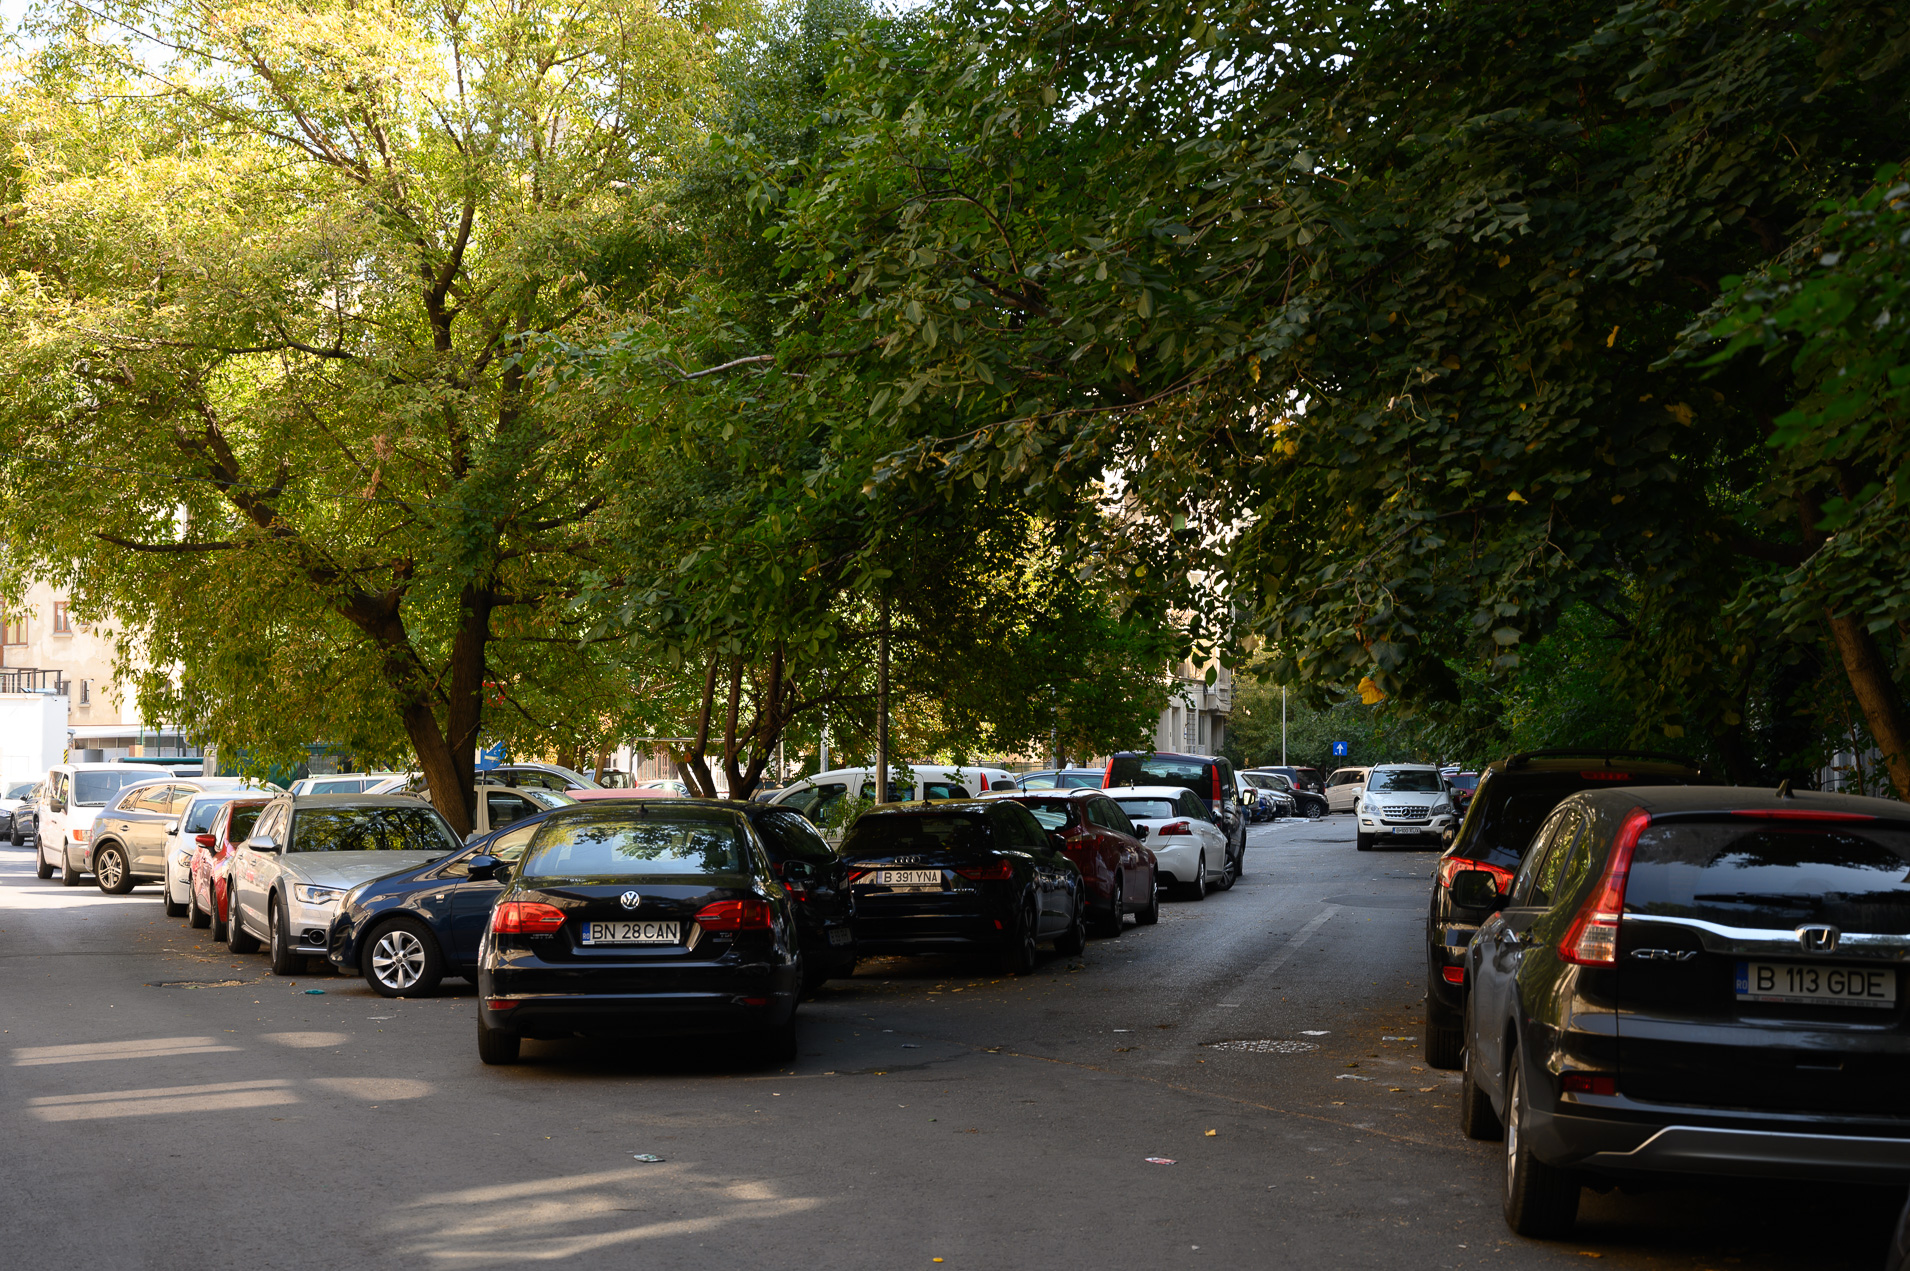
(1266, 1046)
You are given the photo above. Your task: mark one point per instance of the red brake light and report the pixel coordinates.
(749, 914)
(996, 871)
(1801, 814)
(526, 918)
(984, 777)
(1453, 866)
(1453, 974)
(1602, 775)
(1587, 1083)
(1176, 827)
(1593, 937)
(1216, 772)
(1107, 777)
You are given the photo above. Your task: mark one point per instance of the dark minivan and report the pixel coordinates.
(640, 920)
(1209, 776)
(1699, 980)
(1514, 797)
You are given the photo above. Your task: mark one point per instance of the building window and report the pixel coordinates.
(86, 692)
(62, 624)
(15, 631)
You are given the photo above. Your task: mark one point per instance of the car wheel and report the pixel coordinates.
(496, 1045)
(41, 868)
(212, 915)
(14, 836)
(284, 961)
(1018, 954)
(403, 960)
(69, 877)
(1071, 943)
(1150, 914)
(1363, 842)
(1229, 873)
(1197, 890)
(196, 918)
(1108, 925)
(1445, 1037)
(237, 937)
(1240, 862)
(1540, 1200)
(1476, 1117)
(172, 908)
(1314, 811)
(111, 871)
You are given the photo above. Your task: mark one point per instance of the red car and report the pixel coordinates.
(207, 906)
(1121, 874)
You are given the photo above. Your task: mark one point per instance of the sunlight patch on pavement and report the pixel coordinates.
(376, 1089)
(218, 1097)
(86, 1052)
(307, 1041)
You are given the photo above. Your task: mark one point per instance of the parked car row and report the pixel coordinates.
(1642, 973)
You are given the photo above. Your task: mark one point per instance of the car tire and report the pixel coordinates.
(171, 907)
(1476, 1118)
(497, 1046)
(69, 877)
(279, 942)
(1150, 914)
(41, 869)
(1362, 842)
(238, 939)
(1197, 890)
(1109, 924)
(1229, 875)
(14, 836)
(196, 918)
(1018, 952)
(112, 872)
(1445, 1038)
(1541, 1201)
(1074, 941)
(1315, 811)
(1240, 862)
(402, 959)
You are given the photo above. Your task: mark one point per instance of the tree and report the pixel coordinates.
(271, 271)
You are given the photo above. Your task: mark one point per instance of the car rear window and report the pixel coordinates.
(1154, 770)
(203, 813)
(1514, 804)
(1049, 814)
(904, 832)
(1148, 809)
(1738, 875)
(1084, 779)
(373, 829)
(623, 846)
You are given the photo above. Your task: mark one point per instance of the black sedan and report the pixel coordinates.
(642, 920)
(965, 877)
(1692, 980)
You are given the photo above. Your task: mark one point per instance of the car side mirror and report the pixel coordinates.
(172, 827)
(1140, 831)
(1057, 840)
(483, 869)
(1475, 889)
(262, 843)
(206, 841)
(798, 871)
(56, 805)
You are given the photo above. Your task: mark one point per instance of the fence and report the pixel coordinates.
(25, 679)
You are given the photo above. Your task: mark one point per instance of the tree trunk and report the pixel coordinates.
(882, 704)
(695, 764)
(1877, 696)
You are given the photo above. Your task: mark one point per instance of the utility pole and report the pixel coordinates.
(882, 701)
(1283, 725)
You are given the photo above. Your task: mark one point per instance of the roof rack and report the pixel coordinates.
(1523, 757)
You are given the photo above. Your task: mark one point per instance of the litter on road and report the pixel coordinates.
(646, 1158)
(1160, 1160)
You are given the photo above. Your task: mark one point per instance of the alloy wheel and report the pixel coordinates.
(108, 868)
(1514, 1095)
(397, 959)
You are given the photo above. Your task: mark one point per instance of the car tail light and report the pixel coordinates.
(984, 777)
(1453, 974)
(1176, 827)
(749, 914)
(526, 918)
(1216, 771)
(1107, 776)
(1800, 814)
(500, 1003)
(1453, 866)
(1587, 1083)
(1592, 939)
(1602, 774)
(996, 871)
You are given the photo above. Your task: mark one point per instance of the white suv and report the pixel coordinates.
(76, 793)
(1405, 802)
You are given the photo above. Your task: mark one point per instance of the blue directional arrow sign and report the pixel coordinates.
(1339, 748)
(490, 757)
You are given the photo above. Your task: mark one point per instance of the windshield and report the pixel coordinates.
(20, 791)
(1403, 781)
(1148, 809)
(93, 789)
(203, 813)
(372, 829)
(616, 846)
(546, 798)
(1157, 770)
(1464, 780)
(909, 833)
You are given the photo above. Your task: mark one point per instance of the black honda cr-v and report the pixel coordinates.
(1694, 981)
(1514, 795)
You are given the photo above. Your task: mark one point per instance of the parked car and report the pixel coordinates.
(25, 825)
(815, 796)
(1120, 873)
(646, 920)
(963, 876)
(1694, 980)
(14, 798)
(341, 782)
(209, 872)
(1266, 797)
(1307, 802)
(1472, 877)
(1190, 851)
(1062, 779)
(139, 829)
(496, 807)
(1404, 803)
(175, 891)
(1210, 777)
(1344, 788)
(76, 793)
(1301, 777)
(1463, 786)
(286, 881)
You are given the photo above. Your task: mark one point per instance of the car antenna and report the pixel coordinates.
(1784, 789)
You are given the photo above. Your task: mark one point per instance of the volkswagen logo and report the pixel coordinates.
(630, 900)
(1817, 938)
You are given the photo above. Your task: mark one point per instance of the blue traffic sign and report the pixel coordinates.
(490, 757)
(1339, 748)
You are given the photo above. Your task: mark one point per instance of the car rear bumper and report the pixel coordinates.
(636, 1015)
(1783, 1146)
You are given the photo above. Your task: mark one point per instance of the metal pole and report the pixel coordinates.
(1283, 725)
(882, 704)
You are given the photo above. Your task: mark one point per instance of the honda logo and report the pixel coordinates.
(1817, 938)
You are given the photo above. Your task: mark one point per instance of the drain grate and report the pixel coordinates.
(1266, 1046)
(195, 984)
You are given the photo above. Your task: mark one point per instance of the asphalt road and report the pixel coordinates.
(164, 1104)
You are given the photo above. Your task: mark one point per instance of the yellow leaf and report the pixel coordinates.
(1617, 499)
(1612, 338)
(1253, 368)
(1679, 411)
(1450, 362)
(1504, 261)
(1371, 693)
(1515, 497)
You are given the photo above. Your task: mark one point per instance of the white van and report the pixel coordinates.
(814, 796)
(76, 793)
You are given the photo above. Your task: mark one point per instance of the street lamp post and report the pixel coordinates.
(1283, 725)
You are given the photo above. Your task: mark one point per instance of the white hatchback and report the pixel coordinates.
(1178, 828)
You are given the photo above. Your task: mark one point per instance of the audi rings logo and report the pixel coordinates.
(1817, 938)
(630, 900)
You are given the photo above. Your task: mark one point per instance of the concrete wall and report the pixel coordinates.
(32, 735)
(83, 654)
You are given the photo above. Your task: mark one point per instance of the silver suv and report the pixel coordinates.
(1404, 803)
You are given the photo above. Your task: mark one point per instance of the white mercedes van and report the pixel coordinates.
(76, 793)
